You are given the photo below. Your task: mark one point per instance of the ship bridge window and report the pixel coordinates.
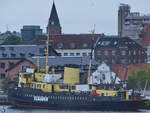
(24, 68)
(73, 87)
(44, 86)
(39, 86)
(64, 86)
(34, 85)
(27, 75)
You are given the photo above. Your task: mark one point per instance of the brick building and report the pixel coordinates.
(70, 44)
(66, 44)
(10, 67)
(119, 51)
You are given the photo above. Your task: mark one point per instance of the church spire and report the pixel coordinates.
(53, 23)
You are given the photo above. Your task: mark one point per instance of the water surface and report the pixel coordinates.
(9, 109)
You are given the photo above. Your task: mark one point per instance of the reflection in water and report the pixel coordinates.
(9, 109)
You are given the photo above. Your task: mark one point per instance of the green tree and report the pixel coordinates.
(138, 79)
(16, 79)
(11, 40)
(5, 84)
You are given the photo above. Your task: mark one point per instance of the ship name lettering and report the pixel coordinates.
(40, 98)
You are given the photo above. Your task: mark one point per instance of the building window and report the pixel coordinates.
(65, 54)
(11, 63)
(85, 45)
(89, 54)
(123, 52)
(99, 53)
(84, 54)
(113, 52)
(134, 61)
(129, 52)
(105, 60)
(123, 61)
(113, 61)
(71, 54)
(139, 52)
(2, 76)
(134, 52)
(11, 48)
(73, 45)
(2, 65)
(77, 54)
(60, 45)
(106, 53)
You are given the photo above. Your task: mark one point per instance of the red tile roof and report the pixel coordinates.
(122, 69)
(66, 39)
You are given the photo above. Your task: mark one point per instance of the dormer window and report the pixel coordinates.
(13, 55)
(31, 54)
(22, 54)
(4, 55)
(11, 48)
(2, 48)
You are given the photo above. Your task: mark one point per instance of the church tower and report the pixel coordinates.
(53, 27)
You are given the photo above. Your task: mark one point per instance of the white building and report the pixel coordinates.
(104, 75)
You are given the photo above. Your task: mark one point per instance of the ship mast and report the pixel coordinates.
(47, 48)
(38, 64)
(91, 56)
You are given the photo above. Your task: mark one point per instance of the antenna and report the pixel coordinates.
(7, 28)
(116, 75)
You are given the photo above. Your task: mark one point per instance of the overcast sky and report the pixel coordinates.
(76, 16)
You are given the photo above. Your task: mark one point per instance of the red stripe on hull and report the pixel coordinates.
(34, 107)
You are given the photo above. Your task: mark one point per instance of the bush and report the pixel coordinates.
(11, 40)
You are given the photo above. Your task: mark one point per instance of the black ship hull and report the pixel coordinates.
(33, 98)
